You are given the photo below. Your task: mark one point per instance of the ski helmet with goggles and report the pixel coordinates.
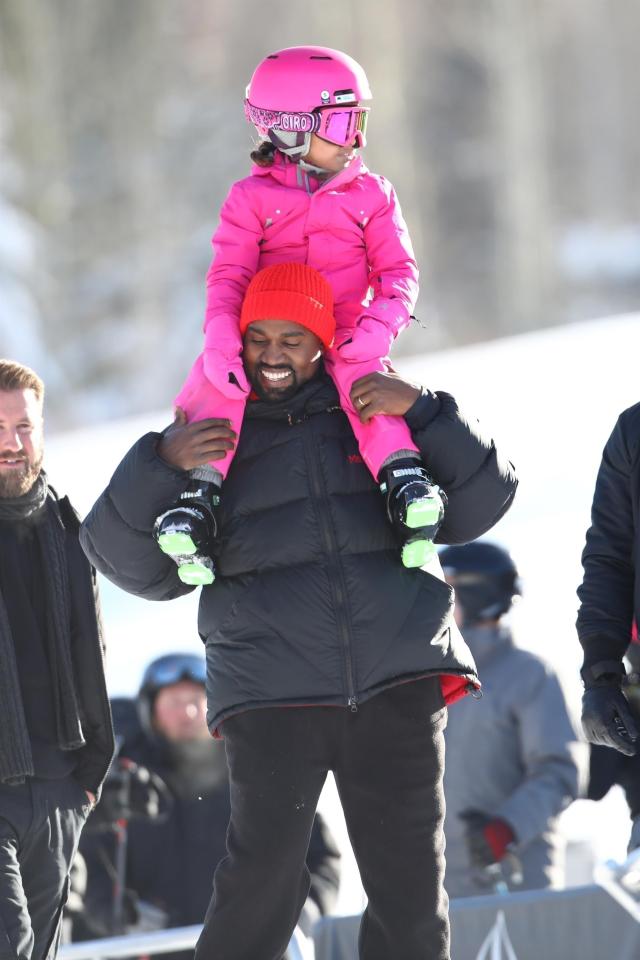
(484, 577)
(164, 672)
(303, 90)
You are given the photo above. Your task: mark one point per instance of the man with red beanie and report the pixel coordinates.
(300, 300)
(414, 503)
(294, 292)
(313, 611)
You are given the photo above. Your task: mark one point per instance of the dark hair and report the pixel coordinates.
(263, 155)
(15, 376)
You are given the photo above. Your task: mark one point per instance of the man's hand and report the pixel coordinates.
(607, 719)
(130, 792)
(383, 393)
(189, 445)
(488, 838)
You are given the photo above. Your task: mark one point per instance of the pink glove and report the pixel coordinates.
(369, 340)
(221, 370)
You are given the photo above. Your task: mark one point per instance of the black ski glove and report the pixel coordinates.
(606, 717)
(130, 792)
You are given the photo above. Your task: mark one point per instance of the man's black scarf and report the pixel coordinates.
(16, 761)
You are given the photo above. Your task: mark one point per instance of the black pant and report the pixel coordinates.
(40, 825)
(388, 762)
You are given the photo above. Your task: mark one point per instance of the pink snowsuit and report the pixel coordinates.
(351, 230)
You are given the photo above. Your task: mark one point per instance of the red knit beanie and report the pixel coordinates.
(291, 291)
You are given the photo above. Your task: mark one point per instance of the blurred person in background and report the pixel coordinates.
(309, 199)
(513, 757)
(177, 816)
(610, 590)
(56, 737)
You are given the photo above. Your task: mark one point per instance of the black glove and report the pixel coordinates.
(606, 716)
(130, 792)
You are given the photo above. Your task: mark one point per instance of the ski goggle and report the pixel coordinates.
(340, 125)
(173, 668)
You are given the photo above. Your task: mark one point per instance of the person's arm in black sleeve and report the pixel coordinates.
(117, 535)
(479, 482)
(606, 593)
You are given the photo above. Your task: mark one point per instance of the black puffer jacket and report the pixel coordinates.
(610, 591)
(312, 604)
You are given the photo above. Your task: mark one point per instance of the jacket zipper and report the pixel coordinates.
(335, 575)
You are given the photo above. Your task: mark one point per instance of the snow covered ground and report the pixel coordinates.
(551, 399)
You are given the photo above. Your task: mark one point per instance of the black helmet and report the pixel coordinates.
(484, 577)
(164, 672)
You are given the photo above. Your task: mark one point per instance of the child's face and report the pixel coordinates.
(330, 156)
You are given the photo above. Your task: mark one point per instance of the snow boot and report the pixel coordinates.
(187, 532)
(415, 506)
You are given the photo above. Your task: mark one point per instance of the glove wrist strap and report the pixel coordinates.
(603, 673)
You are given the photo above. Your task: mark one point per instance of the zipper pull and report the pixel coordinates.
(353, 704)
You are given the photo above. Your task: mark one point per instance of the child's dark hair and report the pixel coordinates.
(263, 155)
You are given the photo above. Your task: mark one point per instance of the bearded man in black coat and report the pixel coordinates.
(56, 737)
(323, 651)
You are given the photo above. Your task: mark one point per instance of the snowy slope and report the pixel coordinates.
(550, 399)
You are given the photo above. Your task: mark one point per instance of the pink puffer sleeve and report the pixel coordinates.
(393, 277)
(236, 245)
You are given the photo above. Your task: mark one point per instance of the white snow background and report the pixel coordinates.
(550, 399)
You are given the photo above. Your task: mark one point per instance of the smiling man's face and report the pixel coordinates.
(21, 441)
(279, 356)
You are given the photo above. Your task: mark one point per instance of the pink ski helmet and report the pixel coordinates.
(303, 90)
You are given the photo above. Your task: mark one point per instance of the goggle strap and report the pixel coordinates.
(304, 123)
(282, 119)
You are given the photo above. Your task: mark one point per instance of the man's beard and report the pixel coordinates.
(17, 482)
(195, 766)
(273, 395)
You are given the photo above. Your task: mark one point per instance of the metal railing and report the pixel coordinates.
(163, 941)
(622, 882)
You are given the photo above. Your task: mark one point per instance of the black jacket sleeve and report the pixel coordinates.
(606, 593)
(479, 483)
(117, 534)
